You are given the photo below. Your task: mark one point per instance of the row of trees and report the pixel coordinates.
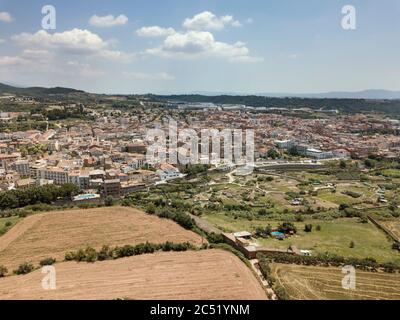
(266, 272)
(107, 253)
(45, 194)
(327, 259)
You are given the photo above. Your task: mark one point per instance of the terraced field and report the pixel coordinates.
(322, 283)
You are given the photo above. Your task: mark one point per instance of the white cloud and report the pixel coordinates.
(108, 21)
(161, 76)
(209, 21)
(2, 40)
(75, 41)
(198, 44)
(7, 61)
(293, 56)
(5, 17)
(154, 31)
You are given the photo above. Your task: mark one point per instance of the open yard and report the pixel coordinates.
(54, 233)
(206, 274)
(325, 283)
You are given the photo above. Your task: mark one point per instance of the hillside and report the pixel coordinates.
(34, 91)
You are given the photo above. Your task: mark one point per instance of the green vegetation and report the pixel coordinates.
(3, 271)
(7, 223)
(24, 268)
(47, 262)
(106, 253)
(328, 259)
(344, 105)
(36, 195)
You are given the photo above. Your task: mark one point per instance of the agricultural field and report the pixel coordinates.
(325, 283)
(7, 223)
(205, 274)
(393, 225)
(335, 237)
(52, 234)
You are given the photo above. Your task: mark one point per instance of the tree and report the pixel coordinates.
(262, 212)
(68, 190)
(352, 244)
(24, 268)
(308, 228)
(273, 154)
(369, 163)
(47, 262)
(3, 271)
(263, 232)
(109, 202)
(343, 164)
(287, 227)
(363, 219)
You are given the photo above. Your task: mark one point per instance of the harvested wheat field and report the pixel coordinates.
(52, 234)
(325, 283)
(205, 274)
(393, 225)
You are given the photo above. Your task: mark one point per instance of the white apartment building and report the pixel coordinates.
(57, 175)
(22, 167)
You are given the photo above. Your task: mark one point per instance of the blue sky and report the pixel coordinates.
(185, 46)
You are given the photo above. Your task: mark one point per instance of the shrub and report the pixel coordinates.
(318, 228)
(90, 255)
(287, 227)
(396, 246)
(352, 244)
(308, 228)
(47, 262)
(280, 292)
(8, 224)
(109, 202)
(24, 268)
(3, 271)
(105, 253)
(363, 219)
(151, 209)
(215, 238)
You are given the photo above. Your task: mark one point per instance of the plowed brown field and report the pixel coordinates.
(206, 274)
(54, 233)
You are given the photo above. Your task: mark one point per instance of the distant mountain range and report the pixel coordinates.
(366, 94)
(8, 89)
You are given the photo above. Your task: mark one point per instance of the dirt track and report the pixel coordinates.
(53, 234)
(207, 274)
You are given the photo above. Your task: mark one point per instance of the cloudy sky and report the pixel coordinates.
(183, 46)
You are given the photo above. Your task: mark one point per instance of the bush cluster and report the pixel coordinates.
(327, 259)
(107, 253)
